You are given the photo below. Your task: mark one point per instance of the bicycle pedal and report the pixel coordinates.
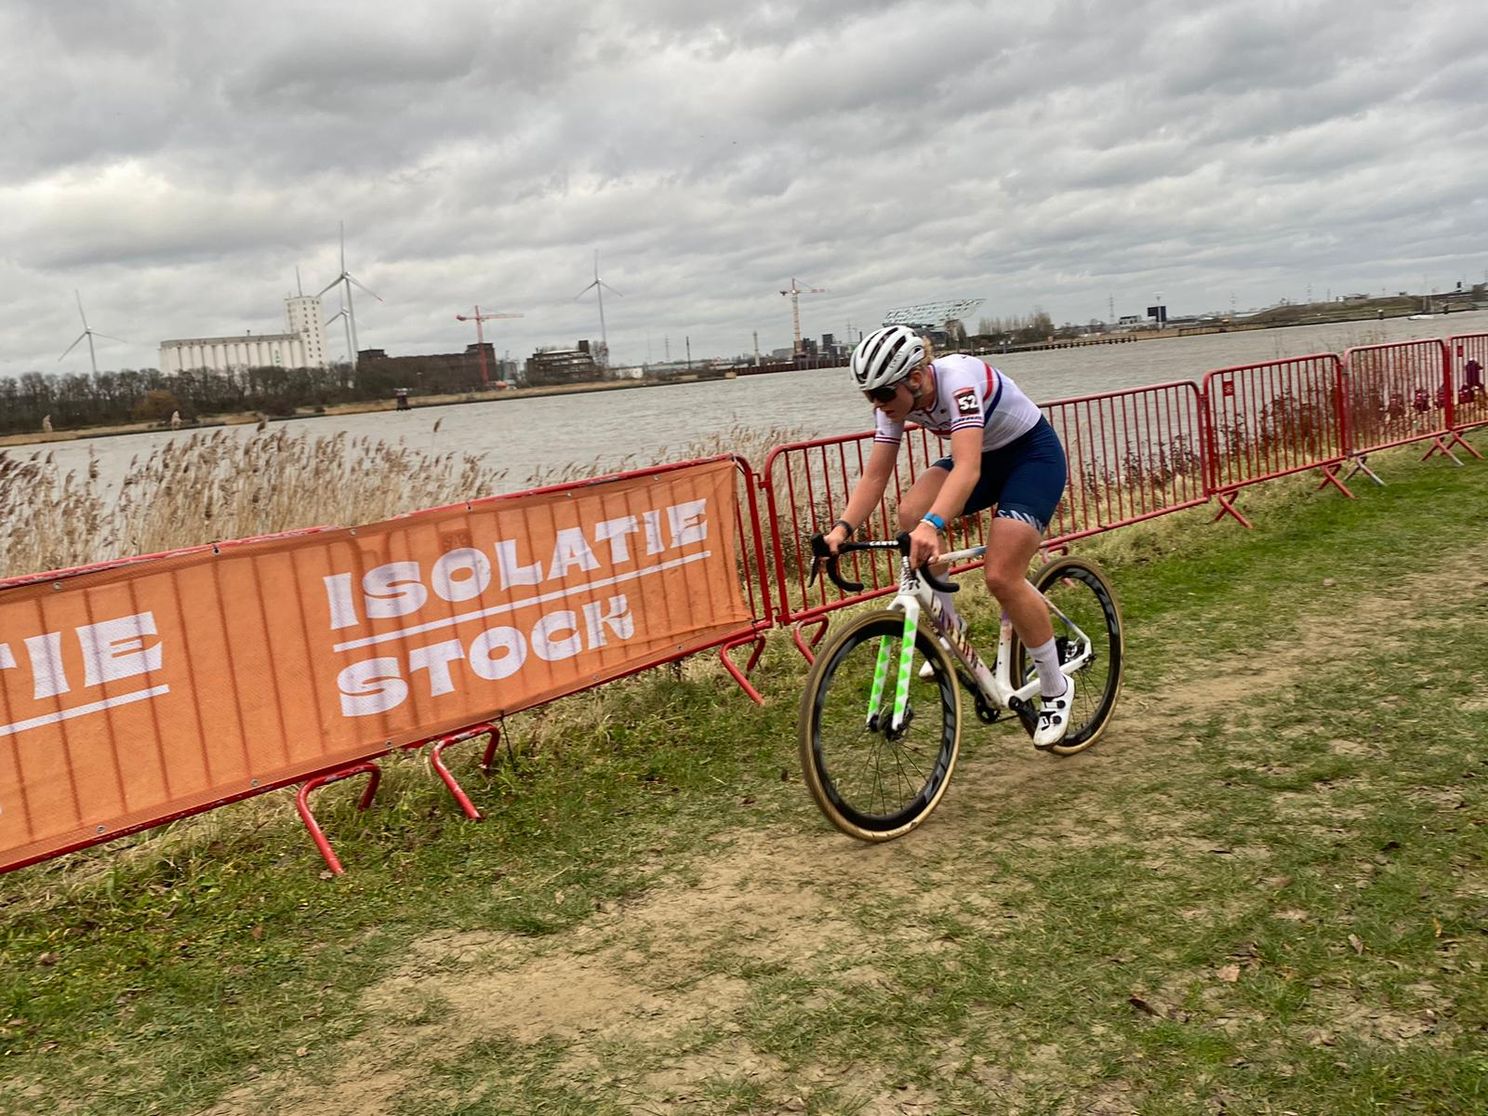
(1027, 714)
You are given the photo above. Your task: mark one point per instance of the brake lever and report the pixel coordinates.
(925, 572)
(822, 558)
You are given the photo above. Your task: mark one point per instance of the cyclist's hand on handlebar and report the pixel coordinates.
(924, 544)
(835, 538)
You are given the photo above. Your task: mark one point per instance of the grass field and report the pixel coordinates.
(1264, 891)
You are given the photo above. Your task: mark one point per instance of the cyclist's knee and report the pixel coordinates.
(1004, 581)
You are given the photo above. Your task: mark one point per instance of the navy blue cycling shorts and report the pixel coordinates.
(1025, 478)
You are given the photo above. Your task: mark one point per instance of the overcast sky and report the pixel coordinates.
(175, 161)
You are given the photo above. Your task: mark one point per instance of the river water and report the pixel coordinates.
(540, 437)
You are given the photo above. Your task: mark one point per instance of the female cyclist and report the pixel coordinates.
(1003, 453)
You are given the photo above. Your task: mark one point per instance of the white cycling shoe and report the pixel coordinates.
(1054, 716)
(927, 668)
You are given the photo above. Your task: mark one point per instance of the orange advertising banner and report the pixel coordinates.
(133, 694)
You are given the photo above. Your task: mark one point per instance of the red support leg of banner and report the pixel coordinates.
(819, 629)
(756, 638)
(436, 760)
(491, 746)
(1227, 507)
(1330, 476)
(302, 804)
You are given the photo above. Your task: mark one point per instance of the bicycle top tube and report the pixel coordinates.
(951, 557)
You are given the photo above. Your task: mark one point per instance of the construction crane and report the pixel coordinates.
(480, 337)
(796, 291)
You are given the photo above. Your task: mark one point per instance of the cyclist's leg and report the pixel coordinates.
(1033, 482)
(921, 495)
(1011, 545)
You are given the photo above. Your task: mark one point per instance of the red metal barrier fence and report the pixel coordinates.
(1270, 420)
(1468, 353)
(1397, 394)
(806, 485)
(1133, 455)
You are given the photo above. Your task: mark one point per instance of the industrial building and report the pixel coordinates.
(303, 346)
(562, 366)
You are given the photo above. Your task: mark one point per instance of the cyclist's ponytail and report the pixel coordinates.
(929, 349)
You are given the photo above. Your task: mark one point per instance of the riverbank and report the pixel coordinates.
(1154, 363)
(369, 406)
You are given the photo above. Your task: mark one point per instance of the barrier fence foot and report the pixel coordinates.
(1457, 439)
(436, 760)
(1227, 506)
(1361, 465)
(819, 629)
(1330, 476)
(1438, 446)
(302, 804)
(741, 676)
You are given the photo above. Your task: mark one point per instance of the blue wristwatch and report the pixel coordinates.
(934, 521)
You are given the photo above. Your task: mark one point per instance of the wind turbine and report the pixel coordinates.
(599, 286)
(346, 320)
(347, 280)
(89, 334)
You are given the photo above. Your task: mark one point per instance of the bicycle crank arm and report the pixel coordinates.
(1027, 714)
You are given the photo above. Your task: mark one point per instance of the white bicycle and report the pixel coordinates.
(879, 734)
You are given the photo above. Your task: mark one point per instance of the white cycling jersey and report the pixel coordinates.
(968, 393)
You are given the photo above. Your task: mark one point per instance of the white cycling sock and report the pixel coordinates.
(1046, 658)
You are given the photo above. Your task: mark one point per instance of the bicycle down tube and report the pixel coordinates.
(997, 688)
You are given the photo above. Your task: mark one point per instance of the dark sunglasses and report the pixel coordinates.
(884, 394)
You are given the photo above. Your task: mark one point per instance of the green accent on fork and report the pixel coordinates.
(906, 663)
(880, 672)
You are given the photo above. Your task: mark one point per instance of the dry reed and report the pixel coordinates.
(216, 486)
(219, 485)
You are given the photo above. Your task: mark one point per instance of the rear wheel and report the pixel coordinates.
(874, 781)
(1080, 591)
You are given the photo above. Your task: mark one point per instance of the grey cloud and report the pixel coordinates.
(175, 162)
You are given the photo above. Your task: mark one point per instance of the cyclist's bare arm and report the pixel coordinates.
(950, 500)
(867, 492)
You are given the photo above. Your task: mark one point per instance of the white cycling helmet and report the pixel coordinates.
(886, 356)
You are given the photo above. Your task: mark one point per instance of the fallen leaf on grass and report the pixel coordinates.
(1353, 940)
(1229, 973)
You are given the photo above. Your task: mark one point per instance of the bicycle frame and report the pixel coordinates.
(915, 597)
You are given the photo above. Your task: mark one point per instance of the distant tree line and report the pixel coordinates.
(1026, 330)
(76, 399)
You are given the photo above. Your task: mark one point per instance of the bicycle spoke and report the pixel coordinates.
(874, 778)
(1087, 624)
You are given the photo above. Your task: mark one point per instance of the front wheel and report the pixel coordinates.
(1080, 591)
(873, 779)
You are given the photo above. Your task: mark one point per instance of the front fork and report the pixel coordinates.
(900, 712)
